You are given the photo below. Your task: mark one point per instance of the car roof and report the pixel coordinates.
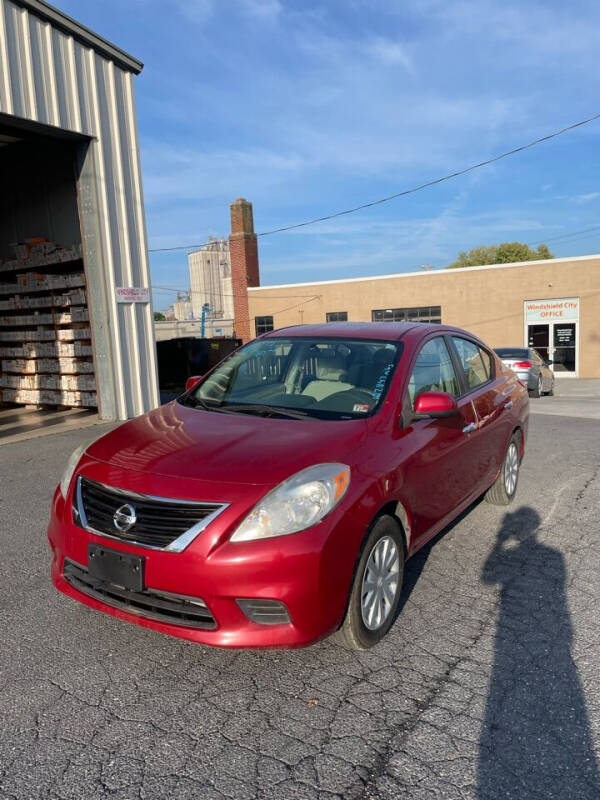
(386, 331)
(351, 330)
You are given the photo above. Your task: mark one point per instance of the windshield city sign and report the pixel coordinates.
(132, 294)
(560, 308)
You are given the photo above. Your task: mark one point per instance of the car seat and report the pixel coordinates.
(330, 374)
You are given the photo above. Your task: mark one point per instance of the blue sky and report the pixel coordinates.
(306, 108)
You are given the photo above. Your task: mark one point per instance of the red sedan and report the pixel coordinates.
(277, 500)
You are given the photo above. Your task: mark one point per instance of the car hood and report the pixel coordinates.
(183, 442)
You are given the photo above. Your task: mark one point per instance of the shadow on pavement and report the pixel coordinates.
(415, 564)
(535, 741)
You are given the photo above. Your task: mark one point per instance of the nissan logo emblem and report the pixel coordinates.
(124, 518)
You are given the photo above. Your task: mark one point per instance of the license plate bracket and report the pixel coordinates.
(114, 566)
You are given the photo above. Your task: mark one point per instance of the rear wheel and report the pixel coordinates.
(376, 589)
(537, 392)
(503, 490)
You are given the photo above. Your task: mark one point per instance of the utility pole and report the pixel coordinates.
(205, 310)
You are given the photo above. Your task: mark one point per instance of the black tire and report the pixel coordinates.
(354, 633)
(537, 392)
(502, 491)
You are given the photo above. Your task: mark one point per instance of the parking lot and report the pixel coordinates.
(488, 686)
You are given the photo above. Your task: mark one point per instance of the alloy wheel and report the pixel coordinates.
(511, 469)
(380, 583)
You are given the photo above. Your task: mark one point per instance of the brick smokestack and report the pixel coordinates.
(243, 248)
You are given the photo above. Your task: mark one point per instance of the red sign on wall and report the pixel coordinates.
(132, 294)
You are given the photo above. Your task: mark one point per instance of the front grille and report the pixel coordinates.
(189, 612)
(159, 522)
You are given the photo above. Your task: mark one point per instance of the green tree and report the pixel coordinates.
(504, 253)
(159, 316)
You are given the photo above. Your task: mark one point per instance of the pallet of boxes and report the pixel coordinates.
(45, 340)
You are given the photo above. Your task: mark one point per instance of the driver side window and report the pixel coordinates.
(433, 371)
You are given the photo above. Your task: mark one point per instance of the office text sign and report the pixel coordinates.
(132, 294)
(555, 310)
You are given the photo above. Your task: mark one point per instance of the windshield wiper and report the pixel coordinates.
(266, 410)
(195, 402)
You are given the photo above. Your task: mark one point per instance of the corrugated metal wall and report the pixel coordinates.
(51, 78)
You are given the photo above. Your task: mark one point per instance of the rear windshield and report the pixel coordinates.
(512, 352)
(306, 377)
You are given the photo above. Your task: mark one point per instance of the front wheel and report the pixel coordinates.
(502, 491)
(375, 593)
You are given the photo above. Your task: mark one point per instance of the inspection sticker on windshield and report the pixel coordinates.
(361, 408)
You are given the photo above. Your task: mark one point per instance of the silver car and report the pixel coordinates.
(532, 370)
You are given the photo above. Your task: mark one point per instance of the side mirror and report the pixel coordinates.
(434, 405)
(191, 382)
(547, 362)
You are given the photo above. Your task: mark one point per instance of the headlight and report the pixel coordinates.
(65, 481)
(296, 504)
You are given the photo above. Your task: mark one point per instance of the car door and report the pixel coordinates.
(439, 458)
(487, 392)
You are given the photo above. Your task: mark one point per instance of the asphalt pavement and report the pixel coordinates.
(487, 688)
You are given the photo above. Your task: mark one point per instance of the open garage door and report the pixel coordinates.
(47, 373)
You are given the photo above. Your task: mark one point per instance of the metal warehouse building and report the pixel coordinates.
(76, 327)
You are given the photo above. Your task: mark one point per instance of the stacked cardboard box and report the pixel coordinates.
(49, 397)
(43, 283)
(71, 383)
(39, 252)
(76, 297)
(49, 350)
(61, 366)
(45, 339)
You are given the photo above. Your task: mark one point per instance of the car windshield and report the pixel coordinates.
(322, 378)
(512, 352)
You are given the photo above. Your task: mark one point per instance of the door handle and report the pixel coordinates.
(508, 405)
(469, 428)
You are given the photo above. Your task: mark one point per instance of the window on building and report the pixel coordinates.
(416, 314)
(263, 324)
(337, 316)
(476, 363)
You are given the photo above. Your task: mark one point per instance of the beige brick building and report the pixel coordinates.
(553, 305)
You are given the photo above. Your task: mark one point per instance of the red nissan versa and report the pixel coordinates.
(276, 501)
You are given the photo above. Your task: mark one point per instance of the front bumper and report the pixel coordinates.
(309, 573)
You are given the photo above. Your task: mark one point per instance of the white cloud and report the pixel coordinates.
(585, 198)
(263, 9)
(185, 173)
(391, 53)
(199, 11)
(334, 111)
(196, 11)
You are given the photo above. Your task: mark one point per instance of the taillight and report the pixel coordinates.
(522, 365)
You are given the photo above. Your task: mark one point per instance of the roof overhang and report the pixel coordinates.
(84, 35)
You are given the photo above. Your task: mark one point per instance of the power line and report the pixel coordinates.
(566, 235)
(296, 305)
(405, 192)
(585, 233)
(219, 294)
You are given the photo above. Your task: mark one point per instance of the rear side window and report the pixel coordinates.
(433, 371)
(476, 362)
